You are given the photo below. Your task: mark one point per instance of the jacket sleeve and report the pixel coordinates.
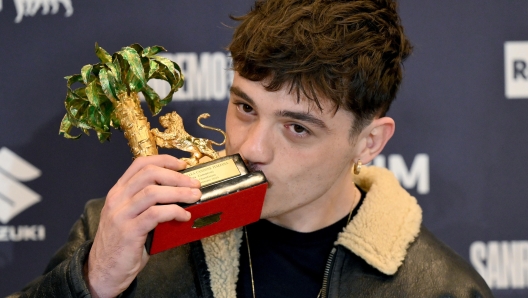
(63, 276)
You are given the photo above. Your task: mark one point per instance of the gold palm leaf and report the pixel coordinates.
(109, 98)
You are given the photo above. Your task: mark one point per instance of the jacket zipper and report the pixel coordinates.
(328, 268)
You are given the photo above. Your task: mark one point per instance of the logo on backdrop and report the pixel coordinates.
(28, 8)
(502, 264)
(15, 197)
(207, 76)
(415, 176)
(516, 69)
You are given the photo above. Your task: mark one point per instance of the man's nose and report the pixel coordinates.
(257, 147)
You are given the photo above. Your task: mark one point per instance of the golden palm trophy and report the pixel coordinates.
(108, 98)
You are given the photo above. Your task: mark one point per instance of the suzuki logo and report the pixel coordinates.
(15, 197)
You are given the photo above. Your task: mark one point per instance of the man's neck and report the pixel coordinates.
(321, 213)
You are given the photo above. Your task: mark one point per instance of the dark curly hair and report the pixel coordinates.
(349, 52)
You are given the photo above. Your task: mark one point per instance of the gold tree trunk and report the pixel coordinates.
(135, 125)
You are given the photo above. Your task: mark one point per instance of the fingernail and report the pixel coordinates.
(188, 214)
(195, 181)
(196, 192)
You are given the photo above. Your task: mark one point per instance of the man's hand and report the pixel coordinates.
(118, 253)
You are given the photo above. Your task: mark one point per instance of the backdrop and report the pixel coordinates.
(459, 146)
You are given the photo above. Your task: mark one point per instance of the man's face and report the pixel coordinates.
(305, 154)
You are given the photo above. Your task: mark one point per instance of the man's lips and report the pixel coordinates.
(253, 167)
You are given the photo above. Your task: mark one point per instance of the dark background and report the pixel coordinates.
(451, 107)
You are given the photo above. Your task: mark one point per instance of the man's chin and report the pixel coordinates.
(265, 214)
(267, 208)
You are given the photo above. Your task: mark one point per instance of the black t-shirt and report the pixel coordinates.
(286, 263)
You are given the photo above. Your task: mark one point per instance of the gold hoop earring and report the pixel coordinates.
(357, 167)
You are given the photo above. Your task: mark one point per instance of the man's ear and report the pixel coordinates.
(375, 136)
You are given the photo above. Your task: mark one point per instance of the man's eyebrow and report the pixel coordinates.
(235, 90)
(301, 116)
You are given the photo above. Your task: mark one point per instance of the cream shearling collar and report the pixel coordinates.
(386, 224)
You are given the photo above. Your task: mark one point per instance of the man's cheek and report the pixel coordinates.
(229, 142)
(230, 149)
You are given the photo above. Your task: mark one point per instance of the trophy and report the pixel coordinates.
(231, 195)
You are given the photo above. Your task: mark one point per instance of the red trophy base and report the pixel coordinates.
(234, 208)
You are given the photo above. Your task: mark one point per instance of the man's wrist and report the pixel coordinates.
(86, 277)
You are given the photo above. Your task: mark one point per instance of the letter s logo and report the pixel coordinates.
(15, 197)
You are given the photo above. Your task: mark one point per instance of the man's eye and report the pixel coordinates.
(298, 129)
(246, 108)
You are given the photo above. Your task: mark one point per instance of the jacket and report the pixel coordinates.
(383, 252)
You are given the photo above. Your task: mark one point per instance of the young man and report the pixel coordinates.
(313, 81)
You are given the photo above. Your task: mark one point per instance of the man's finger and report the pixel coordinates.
(154, 215)
(157, 194)
(162, 161)
(154, 175)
